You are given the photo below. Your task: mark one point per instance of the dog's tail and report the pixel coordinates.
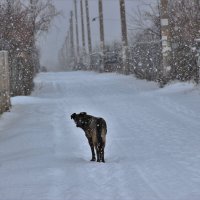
(101, 132)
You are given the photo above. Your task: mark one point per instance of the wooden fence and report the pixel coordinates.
(4, 82)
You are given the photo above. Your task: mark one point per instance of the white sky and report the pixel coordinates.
(52, 42)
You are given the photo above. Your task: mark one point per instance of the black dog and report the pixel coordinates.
(95, 130)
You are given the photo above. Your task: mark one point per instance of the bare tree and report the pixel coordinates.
(184, 20)
(20, 26)
(185, 26)
(41, 15)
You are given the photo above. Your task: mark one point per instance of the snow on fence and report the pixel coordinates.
(4, 82)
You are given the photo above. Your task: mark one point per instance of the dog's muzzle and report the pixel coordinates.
(79, 123)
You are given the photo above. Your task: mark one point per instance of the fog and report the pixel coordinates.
(51, 42)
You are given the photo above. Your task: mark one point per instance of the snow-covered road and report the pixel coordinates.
(153, 141)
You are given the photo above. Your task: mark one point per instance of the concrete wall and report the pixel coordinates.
(4, 82)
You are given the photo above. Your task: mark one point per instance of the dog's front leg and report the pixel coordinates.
(92, 149)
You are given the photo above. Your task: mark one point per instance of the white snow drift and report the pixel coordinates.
(153, 141)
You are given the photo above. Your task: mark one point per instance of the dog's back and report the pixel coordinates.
(101, 131)
(97, 130)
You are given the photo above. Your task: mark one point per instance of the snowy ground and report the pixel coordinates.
(153, 141)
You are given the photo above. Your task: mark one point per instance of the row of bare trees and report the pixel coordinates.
(21, 22)
(184, 23)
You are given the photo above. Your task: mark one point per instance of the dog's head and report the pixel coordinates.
(80, 119)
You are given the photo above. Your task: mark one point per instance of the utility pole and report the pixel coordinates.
(124, 37)
(4, 82)
(101, 28)
(68, 48)
(83, 28)
(77, 35)
(33, 69)
(166, 46)
(197, 40)
(88, 27)
(88, 32)
(72, 39)
(196, 79)
(32, 16)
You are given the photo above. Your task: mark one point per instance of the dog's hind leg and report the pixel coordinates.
(92, 149)
(98, 151)
(102, 155)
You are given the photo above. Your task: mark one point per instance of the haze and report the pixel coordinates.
(52, 42)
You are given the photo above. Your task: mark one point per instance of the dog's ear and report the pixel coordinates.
(83, 113)
(73, 115)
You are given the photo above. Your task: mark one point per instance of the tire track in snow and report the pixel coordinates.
(180, 110)
(149, 154)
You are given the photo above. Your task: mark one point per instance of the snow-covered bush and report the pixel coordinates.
(184, 19)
